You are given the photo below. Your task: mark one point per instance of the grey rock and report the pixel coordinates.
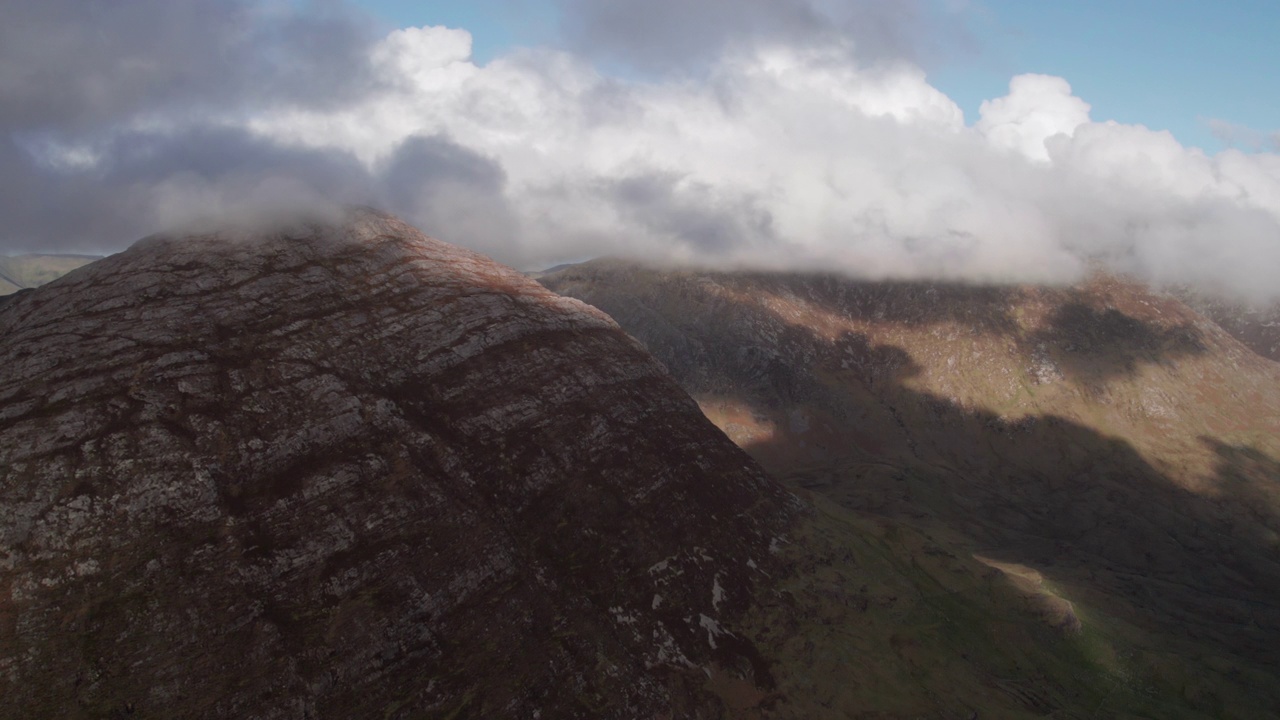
(351, 471)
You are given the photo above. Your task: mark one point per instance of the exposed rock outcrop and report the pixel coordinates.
(350, 471)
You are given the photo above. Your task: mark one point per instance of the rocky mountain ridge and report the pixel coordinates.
(342, 471)
(1257, 327)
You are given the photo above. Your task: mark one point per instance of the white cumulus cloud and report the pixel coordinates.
(801, 157)
(789, 149)
(1038, 107)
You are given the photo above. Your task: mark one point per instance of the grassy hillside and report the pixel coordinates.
(1103, 442)
(883, 620)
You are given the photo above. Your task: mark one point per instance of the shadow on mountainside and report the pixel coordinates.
(1255, 326)
(1042, 489)
(1093, 346)
(982, 308)
(1094, 334)
(1083, 507)
(1194, 575)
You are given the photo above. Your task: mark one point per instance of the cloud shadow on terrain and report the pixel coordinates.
(1089, 344)
(981, 308)
(1092, 343)
(1045, 490)
(1198, 573)
(1049, 492)
(1094, 346)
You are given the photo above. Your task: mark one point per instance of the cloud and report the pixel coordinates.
(1038, 107)
(805, 157)
(692, 217)
(675, 34)
(1236, 135)
(441, 184)
(117, 118)
(142, 182)
(73, 65)
(786, 150)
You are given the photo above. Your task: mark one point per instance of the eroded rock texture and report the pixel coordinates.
(350, 471)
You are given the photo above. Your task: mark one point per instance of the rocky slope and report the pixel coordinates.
(1258, 327)
(350, 471)
(1104, 440)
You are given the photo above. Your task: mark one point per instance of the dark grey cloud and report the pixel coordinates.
(202, 175)
(422, 164)
(679, 34)
(143, 182)
(107, 110)
(450, 190)
(221, 154)
(71, 65)
(692, 214)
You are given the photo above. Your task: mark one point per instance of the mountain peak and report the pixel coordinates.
(345, 466)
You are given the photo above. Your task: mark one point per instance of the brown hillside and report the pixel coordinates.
(1257, 327)
(1103, 437)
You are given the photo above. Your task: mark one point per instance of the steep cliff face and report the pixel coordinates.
(350, 471)
(1104, 437)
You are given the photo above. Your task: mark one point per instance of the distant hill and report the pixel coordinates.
(29, 271)
(1105, 438)
(535, 274)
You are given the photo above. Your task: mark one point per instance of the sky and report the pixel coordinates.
(1176, 65)
(991, 141)
(1171, 65)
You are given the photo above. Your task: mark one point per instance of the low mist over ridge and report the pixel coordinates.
(810, 146)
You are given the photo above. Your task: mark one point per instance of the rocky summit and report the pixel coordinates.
(345, 470)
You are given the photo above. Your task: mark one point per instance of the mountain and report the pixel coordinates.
(350, 471)
(1103, 440)
(1256, 326)
(29, 271)
(341, 469)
